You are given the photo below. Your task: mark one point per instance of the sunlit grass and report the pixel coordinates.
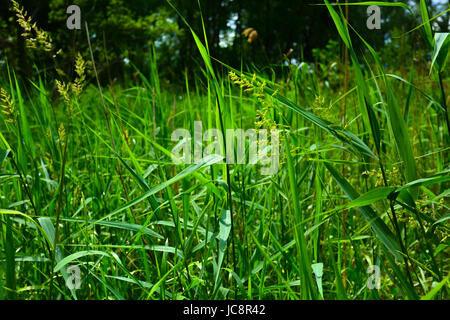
(86, 179)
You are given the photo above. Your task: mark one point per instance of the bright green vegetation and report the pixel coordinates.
(86, 179)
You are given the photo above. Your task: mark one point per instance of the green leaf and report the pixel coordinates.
(440, 248)
(224, 233)
(3, 155)
(430, 295)
(374, 3)
(78, 255)
(426, 22)
(120, 225)
(318, 272)
(364, 99)
(140, 179)
(341, 134)
(206, 161)
(14, 212)
(10, 270)
(443, 219)
(441, 49)
(379, 227)
(440, 177)
(308, 290)
(397, 124)
(49, 229)
(371, 197)
(5, 143)
(384, 192)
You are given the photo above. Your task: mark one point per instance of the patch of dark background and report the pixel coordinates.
(129, 28)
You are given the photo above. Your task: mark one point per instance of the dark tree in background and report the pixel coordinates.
(128, 29)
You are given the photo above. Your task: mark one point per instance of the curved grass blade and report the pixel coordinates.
(224, 233)
(3, 155)
(207, 161)
(441, 50)
(78, 255)
(120, 225)
(370, 197)
(396, 121)
(379, 227)
(373, 3)
(339, 133)
(430, 295)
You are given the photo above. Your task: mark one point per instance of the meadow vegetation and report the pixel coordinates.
(87, 178)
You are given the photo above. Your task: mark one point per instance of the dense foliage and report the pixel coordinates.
(87, 178)
(125, 31)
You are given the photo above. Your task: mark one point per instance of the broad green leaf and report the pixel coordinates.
(224, 233)
(318, 272)
(49, 229)
(370, 197)
(379, 227)
(14, 212)
(441, 49)
(78, 255)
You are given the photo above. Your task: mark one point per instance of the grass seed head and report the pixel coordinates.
(35, 37)
(80, 68)
(7, 106)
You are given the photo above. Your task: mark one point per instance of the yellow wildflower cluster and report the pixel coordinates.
(251, 34)
(63, 90)
(49, 159)
(35, 37)
(80, 66)
(264, 114)
(75, 87)
(243, 82)
(394, 177)
(319, 106)
(424, 207)
(62, 134)
(7, 106)
(264, 119)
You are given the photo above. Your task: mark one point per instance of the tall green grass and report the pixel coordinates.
(92, 184)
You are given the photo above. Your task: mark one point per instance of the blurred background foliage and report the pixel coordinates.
(124, 31)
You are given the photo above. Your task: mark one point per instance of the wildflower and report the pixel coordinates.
(78, 84)
(251, 34)
(264, 114)
(41, 39)
(366, 174)
(62, 134)
(247, 31)
(63, 90)
(7, 106)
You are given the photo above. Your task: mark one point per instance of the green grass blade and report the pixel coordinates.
(441, 50)
(430, 295)
(379, 227)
